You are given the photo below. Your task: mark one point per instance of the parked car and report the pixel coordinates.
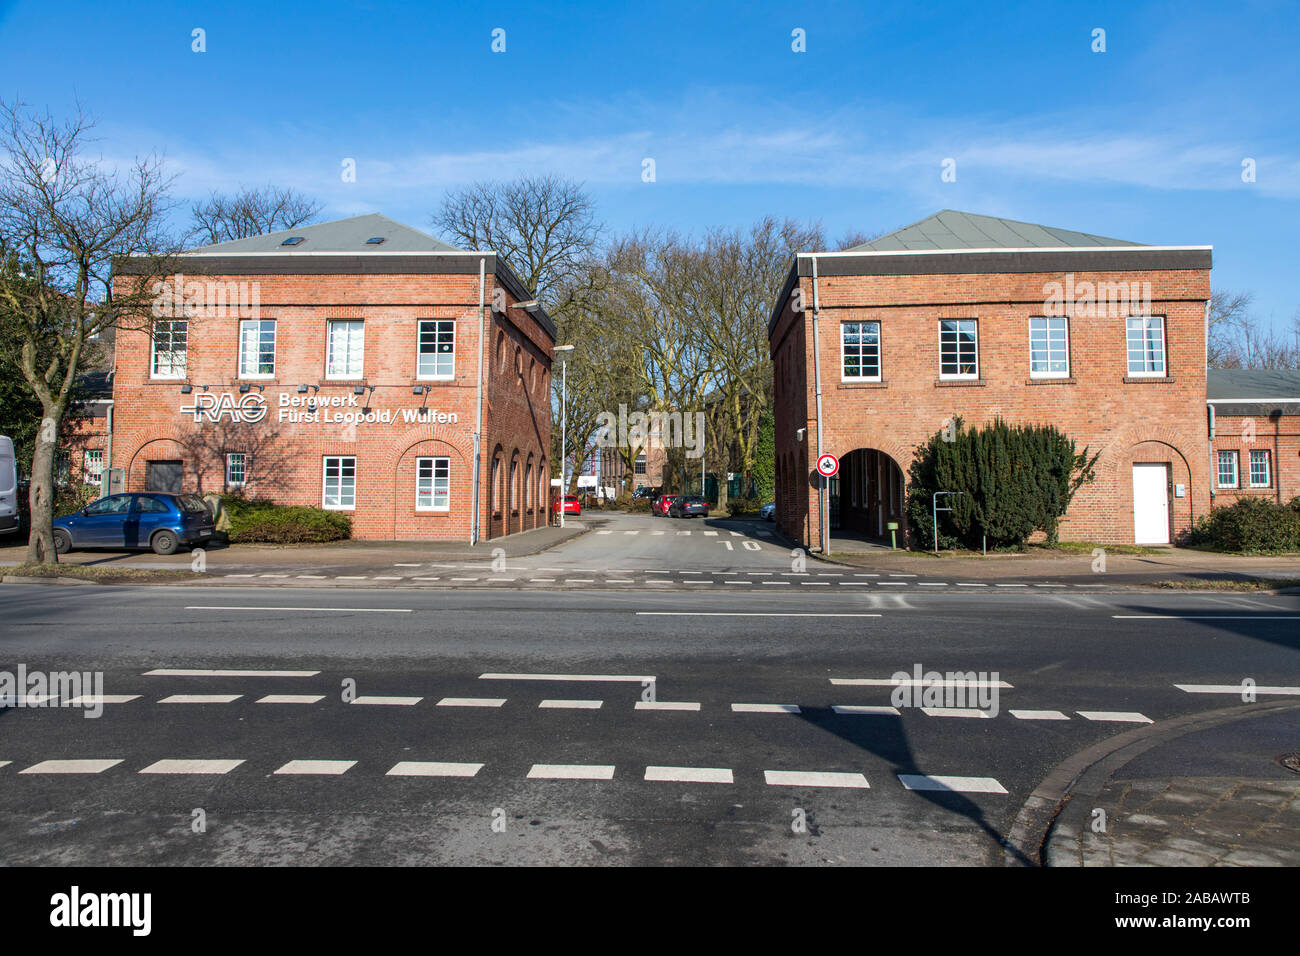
(768, 511)
(572, 506)
(646, 491)
(689, 506)
(660, 506)
(163, 522)
(10, 516)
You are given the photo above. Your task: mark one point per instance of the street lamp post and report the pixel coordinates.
(564, 423)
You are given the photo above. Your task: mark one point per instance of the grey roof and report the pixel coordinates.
(949, 229)
(1250, 383)
(341, 235)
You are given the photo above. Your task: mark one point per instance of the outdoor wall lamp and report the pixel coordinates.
(361, 389)
(420, 389)
(245, 387)
(302, 389)
(186, 389)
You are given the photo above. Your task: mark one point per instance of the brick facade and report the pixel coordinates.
(285, 457)
(1127, 419)
(1274, 434)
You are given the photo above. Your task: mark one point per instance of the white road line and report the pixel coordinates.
(608, 678)
(778, 583)
(464, 579)
(766, 709)
(349, 577)
(667, 705)
(813, 778)
(687, 532)
(638, 531)
(426, 579)
(400, 565)
(711, 534)
(86, 699)
(901, 584)
(604, 532)
(688, 774)
(931, 584)
(194, 672)
(71, 766)
(541, 580)
(571, 771)
(389, 701)
(571, 704)
(954, 712)
(471, 702)
(317, 767)
(913, 682)
(758, 573)
(200, 699)
(815, 584)
(421, 768)
(291, 699)
(239, 575)
(704, 583)
(1038, 715)
(619, 581)
(1116, 716)
(738, 582)
(749, 614)
(690, 572)
(319, 577)
(273, 575)
(5, 763)
(914, 781)
(1022, 585)
(1049, 585)
(387, 577)
(962, 584)
(864, 574)
(1235, 690)
(192, 766)
(847, 584)
(270, 607)
(901, 575)
(579, 581)
(863, 710)
(1205, 617)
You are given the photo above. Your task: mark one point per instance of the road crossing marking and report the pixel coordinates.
(71, 766)
(613, 678)
(913, 682)
(271, 607)
(953, 712)
(388, 701)
(862, 710)
(1115, 716)
(913, 781)
(688, 775)
(421, 768)
(200, 699)
(1206, 617)
(317, 767)
(810, 778)
(571, 771)
(571, 704)
(291, 699)
(752, 613)
(1038, 715)
(766, 709)
(1235, 689)
(90, 700)
(195, 672)
(192, 766)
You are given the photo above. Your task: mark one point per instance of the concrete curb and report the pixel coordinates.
(1086, 773)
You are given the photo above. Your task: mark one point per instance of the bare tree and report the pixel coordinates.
(544, 227)
(64, 220)
(855, 237)
(1228, 312)
(249, 212)
(1240, 339)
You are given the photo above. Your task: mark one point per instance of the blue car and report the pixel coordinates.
(155, 520)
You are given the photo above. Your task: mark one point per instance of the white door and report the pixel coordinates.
(1151, 504)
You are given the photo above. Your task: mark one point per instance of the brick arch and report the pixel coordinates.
(496, 478)
(175, 436)
(513, 514)
(902, 454)
(1114, 453)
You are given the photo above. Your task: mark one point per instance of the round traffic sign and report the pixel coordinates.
(828, 465)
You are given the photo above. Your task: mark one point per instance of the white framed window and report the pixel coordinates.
(345, 349)
(339, 484)
(1146, 345)
(638, 467)
(1261, 472)
(1049, 347)
(170, 346)
(236, 469)
(92, 466)
(436, 357)
(432, 484)
(1227, 469)
(959, 355)
(860, 351)
(257, 348)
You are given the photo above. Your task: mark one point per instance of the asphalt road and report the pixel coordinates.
(740, 780)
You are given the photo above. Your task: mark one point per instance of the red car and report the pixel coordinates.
(571, 505)
(661, 504)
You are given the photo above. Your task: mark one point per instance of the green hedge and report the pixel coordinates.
(1251, 525)
(265, 522)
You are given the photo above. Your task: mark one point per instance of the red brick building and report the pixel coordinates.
(341, 365)
(1255, 431)
(982, 317)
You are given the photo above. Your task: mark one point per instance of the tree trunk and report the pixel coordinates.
(40, 541)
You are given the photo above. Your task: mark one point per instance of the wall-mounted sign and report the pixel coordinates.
(251, 408)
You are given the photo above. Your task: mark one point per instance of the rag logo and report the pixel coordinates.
(74, 908)
(249, 409)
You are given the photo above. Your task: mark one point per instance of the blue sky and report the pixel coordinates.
(1144, 141)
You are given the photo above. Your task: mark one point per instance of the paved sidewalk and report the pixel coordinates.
(1204, 790)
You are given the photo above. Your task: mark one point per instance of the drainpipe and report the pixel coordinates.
(106, 472)
(478, 407)
(817, 376)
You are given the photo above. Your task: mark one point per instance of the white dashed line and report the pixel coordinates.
(1038, 715)
(471, 702)
(419, 768)
(191, 672)
(86, 700)
(812, 778)
(862, 710)
(688, 775)
(192, 766)
(667, 705)
(1115, 716)
(571, 704)
(766, 709)
(1235, 690)
(389, 701)
(605, 678)
(200, 699)
(570, 771)
(953, 712)
(317, 767)
(951, 784)
(291, 699)
(71, 766)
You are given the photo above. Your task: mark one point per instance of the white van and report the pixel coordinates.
(9, 515)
